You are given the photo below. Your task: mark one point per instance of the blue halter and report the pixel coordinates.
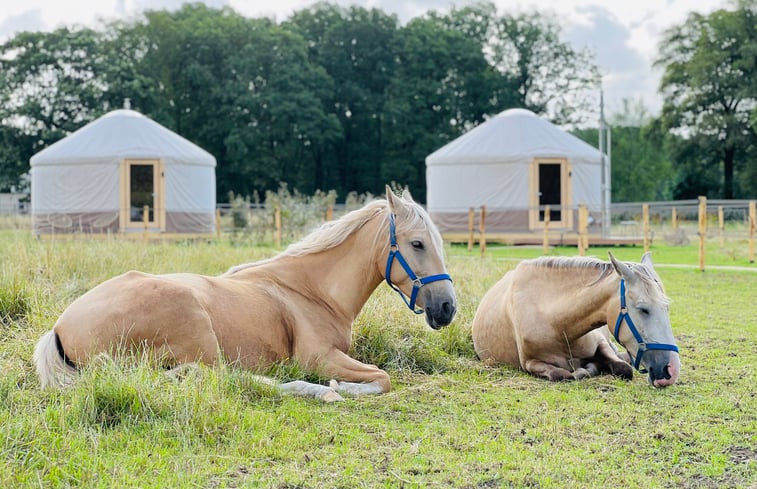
(643, 346)
(394, 253)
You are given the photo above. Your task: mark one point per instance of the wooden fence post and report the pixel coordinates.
(482, 230)
(721, 225)
(218, 223)
(674, 219)
(471, 221)
(545, 243)
(752, 229)
(583, 224)
(645, 225)
(145, 220)
(702, 229)
(277, 223)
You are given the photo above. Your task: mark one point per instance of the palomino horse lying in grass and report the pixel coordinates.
(546, 317)
(299, 304)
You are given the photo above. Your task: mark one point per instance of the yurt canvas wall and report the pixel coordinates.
(515, 164)
(100, 178)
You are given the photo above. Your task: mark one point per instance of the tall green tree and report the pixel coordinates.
(443, 86)
(544, 73)
(50, 84)
(334, 98)
(173, 66)
(15, 151)
(278, 129)
(357, 47)
(241, 88)
(708, 85)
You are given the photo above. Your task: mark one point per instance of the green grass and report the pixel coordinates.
(449, 422)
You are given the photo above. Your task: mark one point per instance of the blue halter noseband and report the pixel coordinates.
(643, 346)
(394, 253)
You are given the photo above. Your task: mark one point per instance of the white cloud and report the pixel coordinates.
(28, 20)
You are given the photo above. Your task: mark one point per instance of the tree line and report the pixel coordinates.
(348, 98)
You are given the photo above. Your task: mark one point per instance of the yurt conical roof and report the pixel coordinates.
(121, 134)
(512, 136)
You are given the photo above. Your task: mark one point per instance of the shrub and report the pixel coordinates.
(15, 302)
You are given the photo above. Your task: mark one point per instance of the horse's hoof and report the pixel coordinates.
(560, 377)
(622, 370)
(331, 396)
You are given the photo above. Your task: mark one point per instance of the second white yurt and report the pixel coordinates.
(515, 164)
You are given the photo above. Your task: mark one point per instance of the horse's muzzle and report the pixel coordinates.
(440, 314)
(438, 302)
(663, 366)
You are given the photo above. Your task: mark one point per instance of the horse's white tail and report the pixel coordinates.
(52, 370)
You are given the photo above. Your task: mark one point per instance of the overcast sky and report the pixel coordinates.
(623, 34)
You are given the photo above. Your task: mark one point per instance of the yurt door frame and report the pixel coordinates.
(550, 184)
(142, 183)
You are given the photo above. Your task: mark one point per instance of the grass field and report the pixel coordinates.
(449, 422)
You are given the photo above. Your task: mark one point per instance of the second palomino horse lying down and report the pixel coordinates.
(547, 316)
(299, 304)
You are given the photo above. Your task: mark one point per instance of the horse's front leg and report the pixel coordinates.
(549, 371)
(617, 364)
(353, 378)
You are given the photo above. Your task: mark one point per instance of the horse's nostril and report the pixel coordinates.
(659, 373)
(448, 308)
(666, 372)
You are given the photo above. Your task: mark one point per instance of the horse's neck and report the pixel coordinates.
(587, 307)
(347, 275)
(341, 278)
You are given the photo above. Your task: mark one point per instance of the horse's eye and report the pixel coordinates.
(418, 245)
(644, 310)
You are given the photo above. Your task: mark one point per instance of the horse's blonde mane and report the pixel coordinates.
(649, 279)
(333, 233)
(570, 262)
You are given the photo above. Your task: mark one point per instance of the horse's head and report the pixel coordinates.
(415, 264)
(643, 323)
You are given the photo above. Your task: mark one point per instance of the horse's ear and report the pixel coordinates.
(395, 203)
(646, 260)
(620, 267)
(406, 195)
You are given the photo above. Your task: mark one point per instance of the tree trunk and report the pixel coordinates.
(728, 172)
(318, 177)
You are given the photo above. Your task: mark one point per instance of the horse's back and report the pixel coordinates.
(512, 318)
(492, 328)
(518, 320)
(137, 308)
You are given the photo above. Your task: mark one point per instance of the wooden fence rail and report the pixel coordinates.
(643, 223)
(702, 229)
(752, 229)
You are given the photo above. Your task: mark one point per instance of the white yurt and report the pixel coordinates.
(100, 178)
(514, 164)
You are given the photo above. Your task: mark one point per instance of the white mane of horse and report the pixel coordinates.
(649, 278)
(332, 233)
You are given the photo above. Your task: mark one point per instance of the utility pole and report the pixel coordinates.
(605, 147)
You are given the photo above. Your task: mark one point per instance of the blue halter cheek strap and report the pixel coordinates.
(418, 282)
(643, 346)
